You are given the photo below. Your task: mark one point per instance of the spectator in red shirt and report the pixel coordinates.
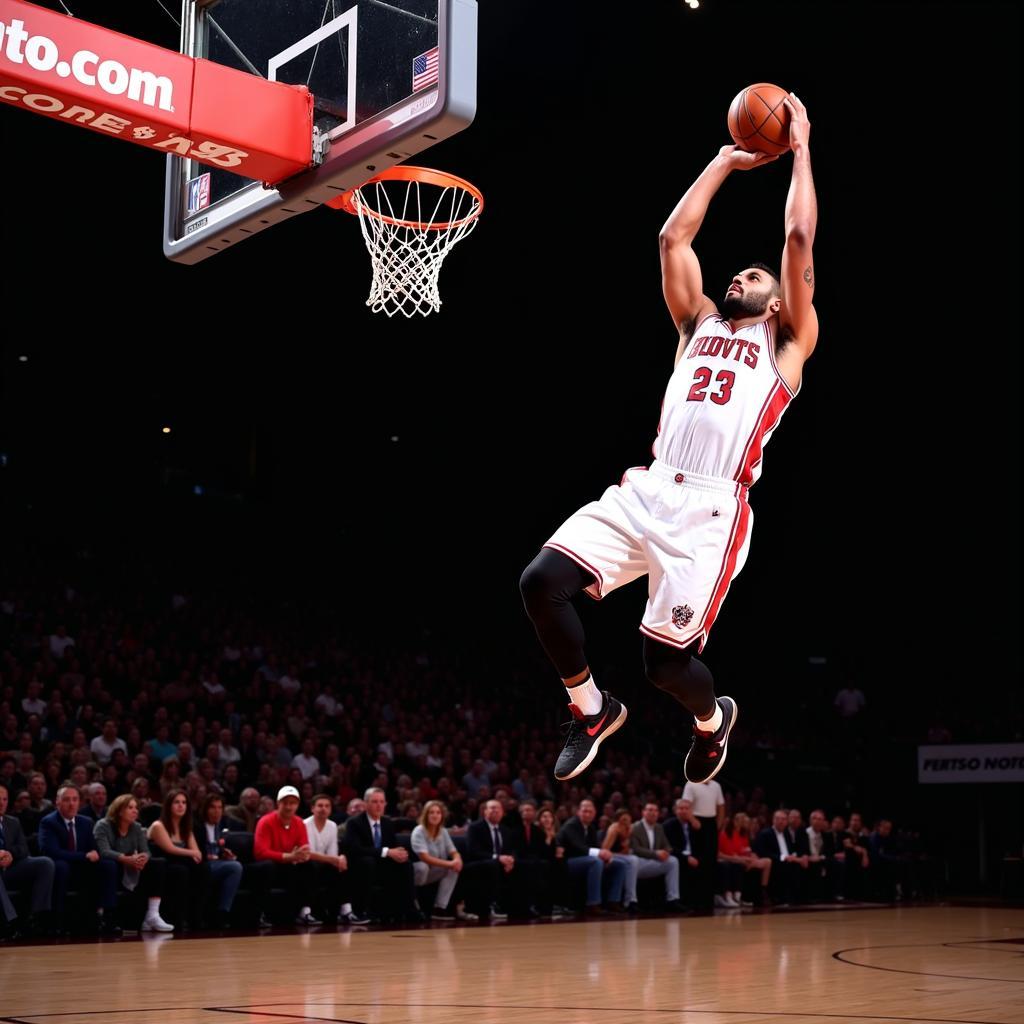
(735, 859)
(281, 838)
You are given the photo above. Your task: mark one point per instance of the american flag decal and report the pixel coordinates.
(424, 70)
(198, 193)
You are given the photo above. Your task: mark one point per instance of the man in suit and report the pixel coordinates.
(17, 871)
(789, 868)
(65, 836)
(374, 857)
(492, 855)
(681, 832)
(650, 844)
(796, 834)
(584, 856)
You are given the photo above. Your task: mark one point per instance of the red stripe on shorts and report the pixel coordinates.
(599, 579)
(729, 566)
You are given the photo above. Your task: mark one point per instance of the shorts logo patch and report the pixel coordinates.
(682, 614)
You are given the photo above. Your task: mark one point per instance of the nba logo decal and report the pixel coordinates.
(681, 615)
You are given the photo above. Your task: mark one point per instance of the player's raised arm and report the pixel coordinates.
(680, 272)
(797, 319)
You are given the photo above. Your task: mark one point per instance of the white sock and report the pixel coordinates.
(714, 723)
(586, 696)
(346, 908)
(154, 907)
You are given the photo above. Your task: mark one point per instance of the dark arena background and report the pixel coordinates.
(216, 476)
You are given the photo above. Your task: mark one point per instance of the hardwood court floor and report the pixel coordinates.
(922, 964)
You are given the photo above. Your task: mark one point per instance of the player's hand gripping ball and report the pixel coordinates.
(759, 120)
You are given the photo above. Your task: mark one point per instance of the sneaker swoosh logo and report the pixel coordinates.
(593, 730)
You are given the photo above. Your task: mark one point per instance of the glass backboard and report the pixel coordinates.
(390, 78)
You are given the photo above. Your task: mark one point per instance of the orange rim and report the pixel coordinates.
(426, 175)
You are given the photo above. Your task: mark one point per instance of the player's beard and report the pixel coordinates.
(739, 307)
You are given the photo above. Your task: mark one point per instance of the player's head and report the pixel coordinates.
(754, 291)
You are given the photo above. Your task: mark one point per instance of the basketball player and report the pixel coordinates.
(685, 521)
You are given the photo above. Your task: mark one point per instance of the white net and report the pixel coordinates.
(409, 227)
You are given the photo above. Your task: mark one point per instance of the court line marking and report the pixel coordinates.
(838, 955)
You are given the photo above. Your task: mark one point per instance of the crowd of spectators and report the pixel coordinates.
(164, 758)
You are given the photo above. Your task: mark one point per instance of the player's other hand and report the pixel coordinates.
(740, 160)
(799, 125)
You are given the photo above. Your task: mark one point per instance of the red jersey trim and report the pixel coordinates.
(579, 560)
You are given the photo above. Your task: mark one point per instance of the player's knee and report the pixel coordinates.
(551, 578)
(534, 584)
(665, 666)
(663, 679)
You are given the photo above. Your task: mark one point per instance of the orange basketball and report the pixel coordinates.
(759, 120)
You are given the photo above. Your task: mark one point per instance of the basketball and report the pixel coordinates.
(759, 120)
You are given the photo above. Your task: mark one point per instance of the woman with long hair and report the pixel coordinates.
(618, 839)
(172, 835)
(439, 861)
(120, 837)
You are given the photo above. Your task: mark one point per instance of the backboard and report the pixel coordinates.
(390, 79)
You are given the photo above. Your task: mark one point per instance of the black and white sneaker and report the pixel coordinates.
(586, 733)
(708, 749)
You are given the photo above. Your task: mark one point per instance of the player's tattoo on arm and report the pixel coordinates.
(808, 278)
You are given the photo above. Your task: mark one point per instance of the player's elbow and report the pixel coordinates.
(799, 235)
(674, 238)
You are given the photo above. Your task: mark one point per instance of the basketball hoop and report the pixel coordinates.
(411, 217)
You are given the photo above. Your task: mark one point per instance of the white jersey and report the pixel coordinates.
(723, 401)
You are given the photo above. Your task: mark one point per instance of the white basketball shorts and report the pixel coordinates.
(690, 534)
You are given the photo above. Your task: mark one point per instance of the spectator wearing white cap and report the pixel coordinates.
(281, 838)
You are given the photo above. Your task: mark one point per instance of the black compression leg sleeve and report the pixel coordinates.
(681, 675)
(548, 585)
